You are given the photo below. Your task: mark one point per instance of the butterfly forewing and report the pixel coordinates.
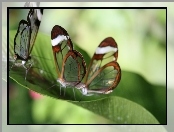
(34, 19)
(61, 44)
(106, 52)
(22, 40)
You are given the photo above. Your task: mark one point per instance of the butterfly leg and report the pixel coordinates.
(27, 69)
(74, 94)
(60, 88)
(26, 72)
(13, 64)
(81, 97)
(64, 90)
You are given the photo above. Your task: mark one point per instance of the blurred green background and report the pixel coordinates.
(141, 39)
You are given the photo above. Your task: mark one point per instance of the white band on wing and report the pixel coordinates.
(59, 39)
(103, 50)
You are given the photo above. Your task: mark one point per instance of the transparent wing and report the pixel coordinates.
(34, 19)
(74, 68)
(61, 44)
(104, 72)
(106, 78)
(22, 40)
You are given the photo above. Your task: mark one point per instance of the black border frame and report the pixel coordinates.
(8, 8)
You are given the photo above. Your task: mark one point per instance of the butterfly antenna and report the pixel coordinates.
(51, 86)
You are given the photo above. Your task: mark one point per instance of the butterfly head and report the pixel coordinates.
(62, 82)
(84, 91)
(82, 88)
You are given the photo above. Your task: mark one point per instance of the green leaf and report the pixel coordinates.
(137, 96)
(120, 111)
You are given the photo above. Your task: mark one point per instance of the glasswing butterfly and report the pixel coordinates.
(69, 63)
(103, 73)
(25, 38)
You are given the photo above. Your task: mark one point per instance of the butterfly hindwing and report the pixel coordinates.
(22, 40)
(73, 68)
(105, 79)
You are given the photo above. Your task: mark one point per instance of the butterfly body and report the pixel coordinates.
(85, 91)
